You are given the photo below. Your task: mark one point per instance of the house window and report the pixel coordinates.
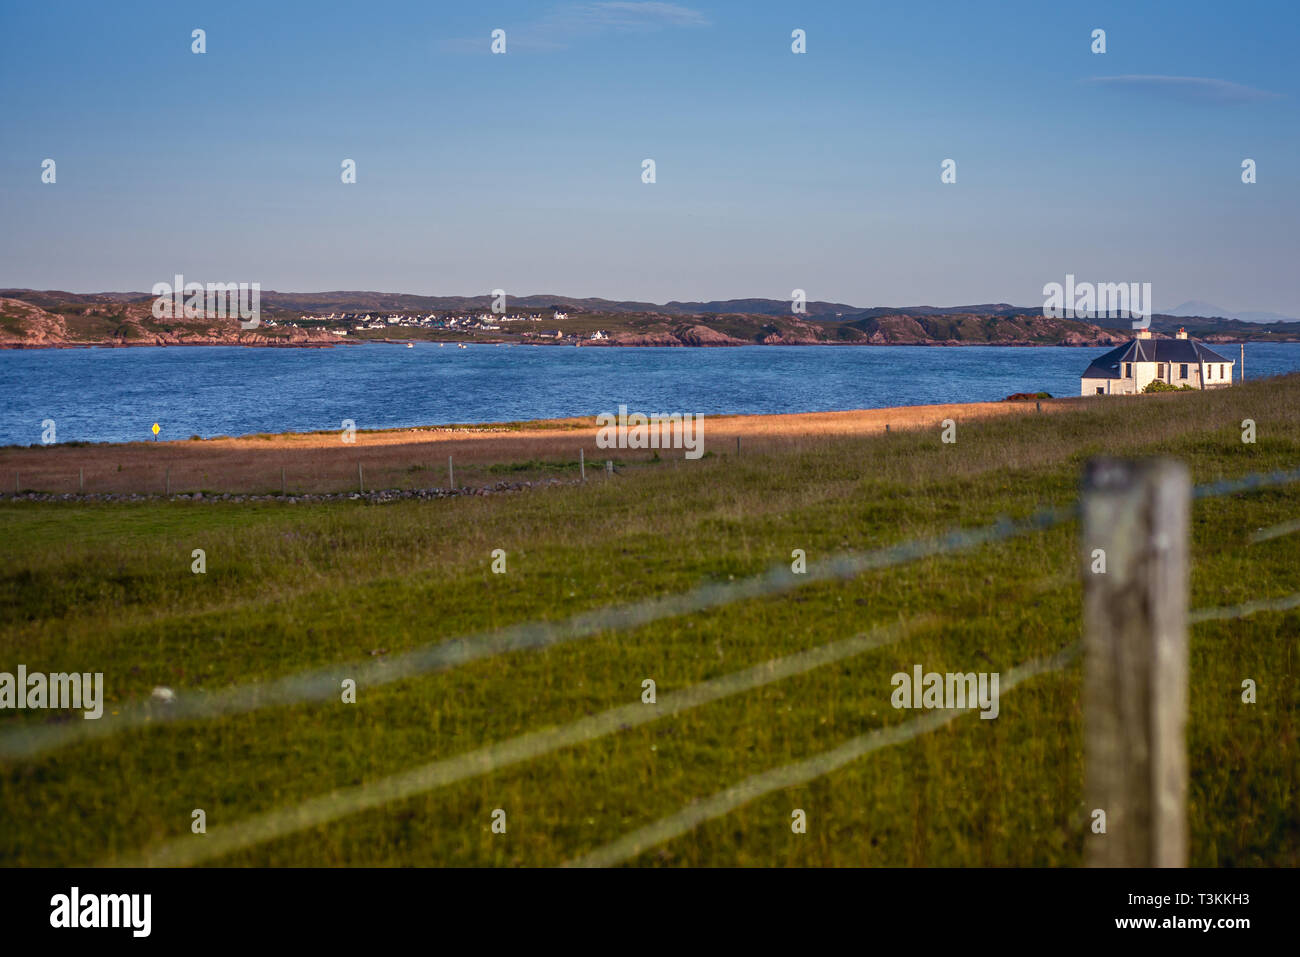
(1100, 390)
(1160, 374)
(1182, 371)
(1128, 370)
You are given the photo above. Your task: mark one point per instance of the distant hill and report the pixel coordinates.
(35, 318)
(1022, 328)
(1215, 329)
(1197, 308)
(986, 309)
(353, 301)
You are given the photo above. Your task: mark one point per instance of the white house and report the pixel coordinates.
(1139, 362)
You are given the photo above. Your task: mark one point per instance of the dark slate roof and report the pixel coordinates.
(1108, 366)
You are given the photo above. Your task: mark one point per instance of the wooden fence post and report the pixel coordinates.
(451, 474)
(1135, 528)
(361, 480)
(282, 483)
(582, 465)
(81, 480)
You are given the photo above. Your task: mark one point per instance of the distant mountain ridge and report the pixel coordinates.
(1197, 308)
(53, 318)
(361, 300)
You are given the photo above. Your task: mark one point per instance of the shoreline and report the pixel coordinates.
(417, 457)
(588, 344)
(830, 421)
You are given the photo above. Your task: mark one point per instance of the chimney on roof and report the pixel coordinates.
(1182, 333)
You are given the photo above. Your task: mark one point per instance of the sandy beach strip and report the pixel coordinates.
(417, 457)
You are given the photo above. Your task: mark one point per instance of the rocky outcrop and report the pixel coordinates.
(24, 325)
(640, 339)
(699, 335)
(957, 330)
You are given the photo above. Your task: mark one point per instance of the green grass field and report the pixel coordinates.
(289, 588)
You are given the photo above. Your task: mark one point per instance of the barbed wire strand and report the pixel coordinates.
(1247, 483)
(1227, 612)
(325, 683)
(321, 684)
(269, 826)
(636, 842)
(1275, 531)
(344, 802)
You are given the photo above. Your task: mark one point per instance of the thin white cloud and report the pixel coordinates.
(630, 15)
(561, 25)
(1189, 89)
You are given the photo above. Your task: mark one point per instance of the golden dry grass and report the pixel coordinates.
(417, 458)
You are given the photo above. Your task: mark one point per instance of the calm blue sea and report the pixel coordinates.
(115, 395)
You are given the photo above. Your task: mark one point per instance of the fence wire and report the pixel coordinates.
(1275, 531)
(636, 842)
(1285, 603)
(1247, 483)
(325, 683)
(327, 808)
(800, 772)
(223, 840)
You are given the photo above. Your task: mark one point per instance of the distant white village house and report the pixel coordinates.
(1181, 361)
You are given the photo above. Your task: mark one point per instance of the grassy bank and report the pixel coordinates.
(99, 587)
(410, 458)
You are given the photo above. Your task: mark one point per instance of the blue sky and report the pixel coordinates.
(775, 171)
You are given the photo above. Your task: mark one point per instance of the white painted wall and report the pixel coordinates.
(1217, 375)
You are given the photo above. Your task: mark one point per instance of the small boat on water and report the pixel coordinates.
(461, 345)
(409, 346)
